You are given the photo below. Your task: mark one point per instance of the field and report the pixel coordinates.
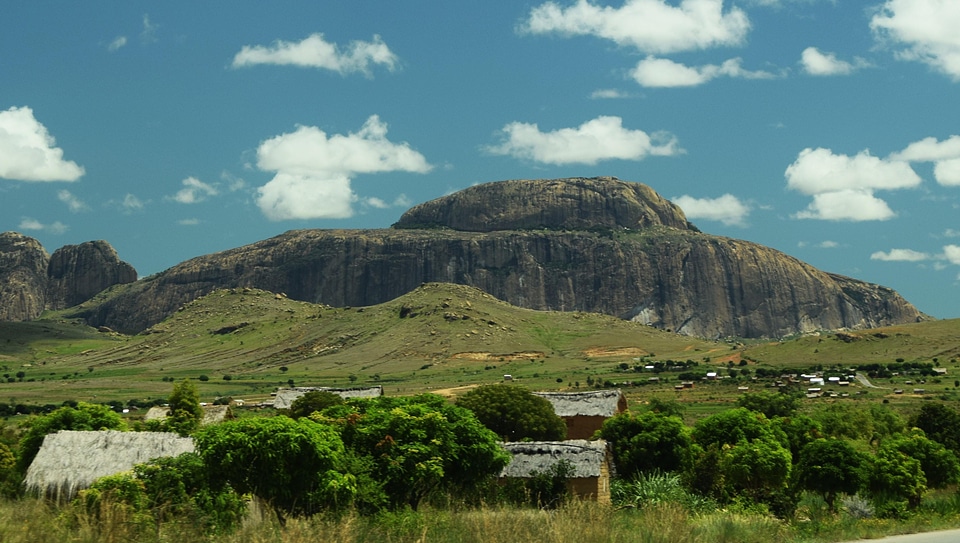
(244, 343)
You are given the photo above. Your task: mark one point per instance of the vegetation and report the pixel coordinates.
(514, 413)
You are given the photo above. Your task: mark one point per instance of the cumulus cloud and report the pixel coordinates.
(951, 253)
(314, 171)
(847, 205)
(73, 203)
(817, 171)
(603, 138)
(816, 62)
(922, 30)
(194, 191)
(651, 26)
(605, 94)
(727, 209)
(28, 152)
(662, 72)
(944, 154)
(379, 203)
(315, 52)
(900, 255)
(56, 227)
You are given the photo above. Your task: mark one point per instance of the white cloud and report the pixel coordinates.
(944, 154)
(727, 209)
(847, 205)
(149, 32)
(951, 233)
(662, 72)
(131, 203)
(315, 52)
(828, 244)
(117, 43)
(379, 203)
(28, 152)
(75, 204)
(188, 222)
(652, 26)
(817, 171)
(951, 253)
(314, 171)
(900, 255)
(605, 94)
(194, 191)
(925, 29)
(56, 227)
(603, 138)
(816, 62)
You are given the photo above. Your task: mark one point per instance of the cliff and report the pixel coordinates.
(31, 281)
(599, 245)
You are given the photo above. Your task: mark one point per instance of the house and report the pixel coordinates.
(584, 412)
(590, 461)
(70, 461)
(286, 396)
(212, 414)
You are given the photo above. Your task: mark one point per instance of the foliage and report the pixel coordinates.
(666, 407)
(115, 494)
(758, 469)
(733, 426)
(940, 423)
(85, 416)
(855, 421)
(312, 402)
(800, 430)
(546, 490)
(771, 404)
(895, 481)
(514, 413)
(646, 443)
(830, 467)
(296, 466)
(415, 446)
(185, 410)
(658, 488)
(939, 464)
(179, 487)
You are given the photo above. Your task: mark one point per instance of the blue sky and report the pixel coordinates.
(827, 130)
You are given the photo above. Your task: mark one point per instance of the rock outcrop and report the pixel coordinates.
(23, 277)
(599, 245)
(32, 281)
(77, 273)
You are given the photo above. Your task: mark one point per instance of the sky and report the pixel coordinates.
(829, 130)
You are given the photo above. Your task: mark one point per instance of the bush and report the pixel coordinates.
(514, 413)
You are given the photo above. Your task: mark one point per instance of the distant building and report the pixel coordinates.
(584, 412)
(590, 461)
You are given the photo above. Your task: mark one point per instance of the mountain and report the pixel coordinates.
(31, 281)
(582, 244)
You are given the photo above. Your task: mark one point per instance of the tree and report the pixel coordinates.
(666, 407)
(514, 413)
(939, 464)
(732, 426)
(185, 410)
(312, 402)
(759, 468)
(830, 467)
(647, 442)
(419, 445)
(800, 430)
(893, 479)
(771, 404)
(298, 466)
(85, 416)
(940, 423)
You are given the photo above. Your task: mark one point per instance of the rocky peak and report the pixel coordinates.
(78, 272)
(23, 271)
(553, 204)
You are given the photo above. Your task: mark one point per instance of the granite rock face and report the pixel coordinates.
(32, 281)
(23, 277)
(77, 273)
(599, 245)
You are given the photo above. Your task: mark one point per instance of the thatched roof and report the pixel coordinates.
(286, 396)
(69, 461)
(600, 403)
(585, 457)
(212, 414)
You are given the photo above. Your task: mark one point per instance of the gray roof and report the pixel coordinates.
(585, 457)
(69, 461)
(286, 396)
(600, 403)
(212, 414)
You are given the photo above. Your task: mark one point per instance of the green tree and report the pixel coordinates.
(830, 467)
(666, 407)
(647, 442)
(732, 426)
(939, 464)
(760, 468)
(800, 430)
(85, 416)
(771, 404)
(514, 413)
(312, 402)
(895, 479)
(845, 420)
(185, 410)
(940, 423)
(297, 466)
(419, 445)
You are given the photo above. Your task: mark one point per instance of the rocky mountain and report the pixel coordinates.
(31, 280)
(598, 245)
